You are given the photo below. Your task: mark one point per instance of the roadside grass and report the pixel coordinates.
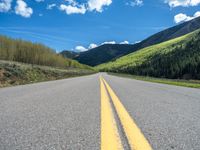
(177, 82)
(15, 73)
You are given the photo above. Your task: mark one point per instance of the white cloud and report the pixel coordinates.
(124, 42)
(109, 42)
(197, 14)
(81, 48)
(51, 6)
(98, 4)
(22, 9)
(92, 45)
(137, 42)
(184, 3)
(71, 2)
(136, 3)
(179, 18)
(70, 9)
(5, 5)
(73, 7)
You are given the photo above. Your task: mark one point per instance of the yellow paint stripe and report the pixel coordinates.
(136, 139)
(110, 139)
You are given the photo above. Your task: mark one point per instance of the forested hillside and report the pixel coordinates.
(31, 53)
(108, 52)
(177, 58)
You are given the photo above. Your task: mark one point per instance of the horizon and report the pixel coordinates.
(108, 21)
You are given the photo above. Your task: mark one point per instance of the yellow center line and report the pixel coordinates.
(136, 139)
(110, 139)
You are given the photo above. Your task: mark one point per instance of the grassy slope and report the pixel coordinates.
(140, 56)
(14, 73)
(146, 56)
(184, 83)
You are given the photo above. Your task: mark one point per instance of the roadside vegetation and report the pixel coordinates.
(177, 82)
(33, 53)
(175, 59)
(23, 62)
(14, 73)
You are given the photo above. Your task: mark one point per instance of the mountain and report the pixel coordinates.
(33, 53)
(104, 53)
(173, 32)
(176, 58)
(69, 54)
(109, 52)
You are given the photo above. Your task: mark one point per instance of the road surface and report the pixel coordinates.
(67, 115)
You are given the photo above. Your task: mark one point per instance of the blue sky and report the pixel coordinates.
(80, 24)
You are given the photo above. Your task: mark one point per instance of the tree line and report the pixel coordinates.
(32, 53)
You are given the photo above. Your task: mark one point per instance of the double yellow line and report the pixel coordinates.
(110, 139)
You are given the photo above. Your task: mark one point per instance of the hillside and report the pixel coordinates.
(177, 58)
(33, 53)
(69, 54)
(106, 53)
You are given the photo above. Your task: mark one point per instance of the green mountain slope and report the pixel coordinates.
(32, 53)
(177, 58)
(108, 52)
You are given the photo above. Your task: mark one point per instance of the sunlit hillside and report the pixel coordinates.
(177, 58)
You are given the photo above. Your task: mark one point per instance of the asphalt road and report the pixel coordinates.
(66, 114)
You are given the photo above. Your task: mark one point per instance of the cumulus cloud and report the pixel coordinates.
(70, 9)
(135, 3)
(106, 42)
(109, 42)
(98, 5)
(179, 18)
(124, 42)
(5, 5)
(197, 14)
(73, 7)
(92, 45)
(51, 6)
(184, 3)
(71, 2)
(22, 9)
(137, 42)
(81, 48)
